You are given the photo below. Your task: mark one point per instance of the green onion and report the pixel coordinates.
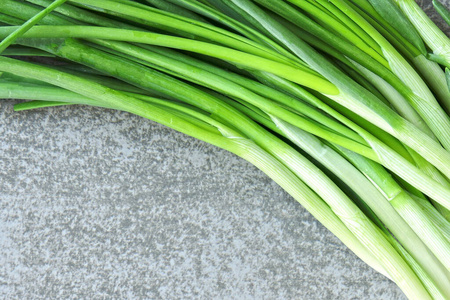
(331, 99)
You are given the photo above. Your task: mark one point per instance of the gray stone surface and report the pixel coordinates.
(99, 204)
(102, 204)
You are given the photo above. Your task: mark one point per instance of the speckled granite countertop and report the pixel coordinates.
(98, 204)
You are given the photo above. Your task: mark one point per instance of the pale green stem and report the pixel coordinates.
(430, 33)
(399, 103)
(434, 216)
(394, 219)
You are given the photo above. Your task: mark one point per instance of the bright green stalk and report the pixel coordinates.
(241, 58)
(348, 22)
(245, 30)
(178, 23)
(35, 104)
(339, 28)
(251, 85)
(175, 9)
(85, 16)
(28, 24)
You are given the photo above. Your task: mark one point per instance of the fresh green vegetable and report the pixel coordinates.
(333, 100)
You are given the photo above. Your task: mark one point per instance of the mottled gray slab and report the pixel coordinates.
(99, 204)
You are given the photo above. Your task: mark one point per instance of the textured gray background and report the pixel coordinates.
(102, 204)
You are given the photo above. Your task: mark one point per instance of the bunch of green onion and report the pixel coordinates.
(343, 103)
